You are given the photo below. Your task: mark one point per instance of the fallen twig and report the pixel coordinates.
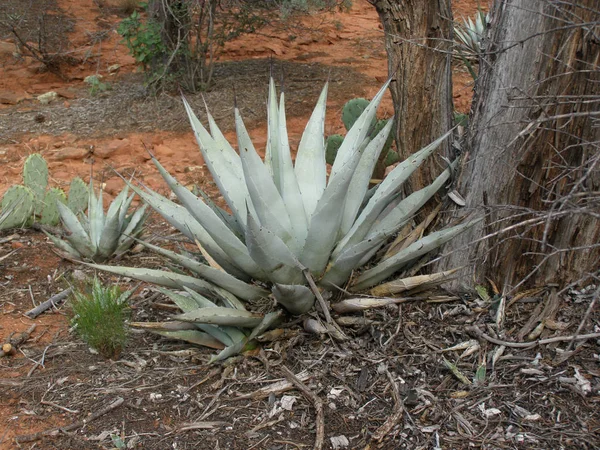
(12, 237)
(393, 419)
(576, 337)
(54, 431)
(50, 303)
(275, 388)
(317, 293)
(318, 404)
(11, 345)
(585, 318)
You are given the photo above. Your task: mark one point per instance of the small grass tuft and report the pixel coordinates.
(99, 315)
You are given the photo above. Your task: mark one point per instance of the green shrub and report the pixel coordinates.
(99, 315)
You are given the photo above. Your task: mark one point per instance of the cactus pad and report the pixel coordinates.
(352, 111)
(78, 196)
(392, 157)
(332, 146)
(19, 201)
(50, 214)
(35, 177)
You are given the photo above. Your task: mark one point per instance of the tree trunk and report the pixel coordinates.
(533, 145)
(418, 40)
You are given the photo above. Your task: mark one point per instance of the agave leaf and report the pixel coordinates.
(200, 299)
(386, 268)
(133, 229)
(290, 192)
(62, 245)
(226, 218)
(341, 267)
(223, 279)
(407, 236)
(125, 207)
(223, 163)
(297, 299)
(272, 151)
(360, 181)
(276, 259)
(356, 135)
(236, 348)
(194, 337)
(95, 216)
(227, 151)
(111, 231)
(233, 334)
(398, 216)
(160, 277)
(311, 169)
(221, 234)
(221, 316)
(268, 203)
(363, 303)
(78, 238)
(187, 304)
(384, 194)
(411, 283)
(163, 326)
(228, 299)
(325, 222)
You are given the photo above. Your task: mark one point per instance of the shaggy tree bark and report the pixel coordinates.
(534, 155)
(418, 40)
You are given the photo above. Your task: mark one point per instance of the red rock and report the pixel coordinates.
(107, 149)
(70, 153)
(10, 98)
(114, 186)
(163, 150)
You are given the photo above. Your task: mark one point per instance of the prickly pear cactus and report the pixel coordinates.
(392, 157)
(50, 215)
(332, 146)
(78, 196)
(352, 111)
(35, 177)
(19, 200)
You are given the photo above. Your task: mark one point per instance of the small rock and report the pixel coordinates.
(109, 148)
(67, 93)
(10, 98)
(92, 79)
(70, 153)
(338, 442)
(7, 48)
(191, 169)
(114, 186)
(164, 151)
(48, 97)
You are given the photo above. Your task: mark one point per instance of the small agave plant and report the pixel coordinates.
(471, 35)
(97, 236)
(290, 224)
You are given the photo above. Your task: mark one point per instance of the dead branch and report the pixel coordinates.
(317, 403)
(10, 346)
(482, 335)
(54, 431)
(50, 303)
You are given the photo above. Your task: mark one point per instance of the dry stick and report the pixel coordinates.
(318, 404)
(488, 338)
(18, 340)
(585, 318)
(392, 420)
(50, 303)
(53, 431)
(317, 293)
